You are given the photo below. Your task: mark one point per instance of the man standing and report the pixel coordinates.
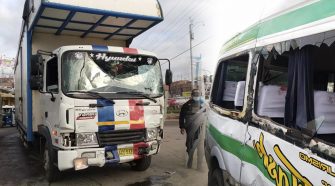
(189, 122)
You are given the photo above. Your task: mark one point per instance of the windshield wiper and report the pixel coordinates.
(91, 93)
(138, 94)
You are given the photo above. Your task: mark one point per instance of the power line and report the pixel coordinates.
(175, 39)
(171, 33)
(165, 17)
(169, 45)
(174, 8)
(175, 25)
(201, 42)
(173, 19)
(163, 63)
(159, 45)
(178, 25)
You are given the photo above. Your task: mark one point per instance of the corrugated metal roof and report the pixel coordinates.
(63, 19)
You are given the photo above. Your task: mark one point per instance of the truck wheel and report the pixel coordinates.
(142, 164)
(51, 171)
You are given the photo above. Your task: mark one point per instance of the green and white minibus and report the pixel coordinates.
(271, 115)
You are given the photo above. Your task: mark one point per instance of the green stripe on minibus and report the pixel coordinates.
(243, 152)
(307, 14)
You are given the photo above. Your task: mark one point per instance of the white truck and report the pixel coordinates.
(81, 94)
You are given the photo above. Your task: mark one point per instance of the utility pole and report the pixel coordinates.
(191, 56)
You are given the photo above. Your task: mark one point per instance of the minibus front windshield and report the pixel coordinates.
(111, 73)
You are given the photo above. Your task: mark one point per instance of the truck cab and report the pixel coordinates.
(100, 104)
(82, 94)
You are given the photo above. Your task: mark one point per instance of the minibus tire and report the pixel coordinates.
(51, 171)
(216, 177)
(142, 164)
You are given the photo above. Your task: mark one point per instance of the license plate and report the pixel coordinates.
(125, 151)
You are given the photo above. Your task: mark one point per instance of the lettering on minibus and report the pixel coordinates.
(282, 178)
(316, 163)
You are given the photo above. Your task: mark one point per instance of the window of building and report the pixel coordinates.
(52, 75)
(229, 83)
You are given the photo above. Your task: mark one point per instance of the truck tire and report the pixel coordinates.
(215, 177)
(51, 171)
(142, 164)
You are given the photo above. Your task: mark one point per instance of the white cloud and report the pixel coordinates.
(10, 20)
(222, 18)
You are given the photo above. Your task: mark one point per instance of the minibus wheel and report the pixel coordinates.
(215, 177)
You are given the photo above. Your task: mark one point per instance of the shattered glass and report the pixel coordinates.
(111, 72)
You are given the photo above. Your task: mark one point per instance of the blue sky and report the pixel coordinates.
(215, 22)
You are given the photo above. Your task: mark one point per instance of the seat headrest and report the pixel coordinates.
(271, 101)
(239, 96)
(229, 91)
(324, 106)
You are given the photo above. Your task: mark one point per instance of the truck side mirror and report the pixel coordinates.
(36, 82)
(36, 65)
(168, 77)
(168, 73)
(36, 72)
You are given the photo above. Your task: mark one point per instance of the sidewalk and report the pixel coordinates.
(172, 116)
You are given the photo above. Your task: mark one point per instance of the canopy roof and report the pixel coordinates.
(108, 19)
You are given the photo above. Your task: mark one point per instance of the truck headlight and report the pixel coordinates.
(152, 134)
(86, 139)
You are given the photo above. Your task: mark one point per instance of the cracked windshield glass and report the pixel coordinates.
(111, 73)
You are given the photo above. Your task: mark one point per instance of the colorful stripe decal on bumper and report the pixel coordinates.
(112, 155)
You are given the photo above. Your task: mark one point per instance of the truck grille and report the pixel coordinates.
(116, 137)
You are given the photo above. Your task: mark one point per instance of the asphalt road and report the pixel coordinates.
(18, 166)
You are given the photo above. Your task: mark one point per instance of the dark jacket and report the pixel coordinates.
(187, 111)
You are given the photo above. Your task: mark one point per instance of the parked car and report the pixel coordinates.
(8, 115)
(172, 102)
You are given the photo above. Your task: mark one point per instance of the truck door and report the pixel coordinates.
(50, 98)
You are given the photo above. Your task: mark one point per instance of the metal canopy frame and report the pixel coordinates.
(73, 10)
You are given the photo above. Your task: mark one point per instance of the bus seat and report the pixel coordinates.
(229, 91)
(239, 96)
(271, 101)
(324, 105)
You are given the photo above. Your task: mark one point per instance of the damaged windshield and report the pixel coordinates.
(105, 72)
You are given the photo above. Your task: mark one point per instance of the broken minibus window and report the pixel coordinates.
(229, 83)
(295, 91)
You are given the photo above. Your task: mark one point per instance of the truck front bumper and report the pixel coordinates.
(83, 158)
(94, 157)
